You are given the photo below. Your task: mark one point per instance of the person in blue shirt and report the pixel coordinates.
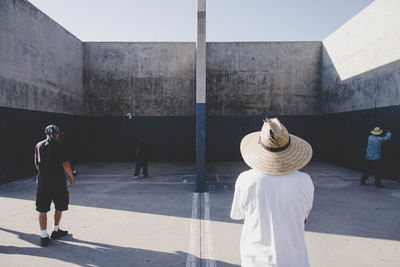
(374, 155)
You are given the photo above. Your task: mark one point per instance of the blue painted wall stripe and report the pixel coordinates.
(200, 146)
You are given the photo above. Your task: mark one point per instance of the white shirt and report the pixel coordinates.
(274, 209)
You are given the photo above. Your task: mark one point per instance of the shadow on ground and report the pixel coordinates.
(86, 253)
(341, 205)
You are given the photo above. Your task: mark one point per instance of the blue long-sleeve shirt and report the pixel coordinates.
(374, 148)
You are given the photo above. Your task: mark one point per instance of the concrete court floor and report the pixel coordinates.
(117, 221)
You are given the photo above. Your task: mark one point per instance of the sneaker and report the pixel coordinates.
(362, 180)
(146, 175)
(379, 184)
(44, 241)
(58, 234)
(134, 177)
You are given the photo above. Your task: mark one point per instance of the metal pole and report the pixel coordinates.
(201, 96)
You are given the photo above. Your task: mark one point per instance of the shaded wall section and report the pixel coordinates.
(91, 139)
(145, 79)
(339, 138)
(361, 61)
(224, 133)
(344, 138)
(263, 78)
(41, 63)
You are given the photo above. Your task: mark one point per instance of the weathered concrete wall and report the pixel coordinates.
(40, 62)
(158, 79)
(146, 79)
(361, 61)
(281, 78)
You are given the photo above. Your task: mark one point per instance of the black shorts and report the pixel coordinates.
(44, 199)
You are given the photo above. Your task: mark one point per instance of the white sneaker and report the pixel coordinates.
(134, 177)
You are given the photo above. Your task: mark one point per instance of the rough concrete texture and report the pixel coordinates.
(263, 78)
(155, 79)
(145, 79)
(201, 47)
(41, 63)
(361, 61)
(117, 221)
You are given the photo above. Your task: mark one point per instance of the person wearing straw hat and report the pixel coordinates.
(273, 197)
(374, 155)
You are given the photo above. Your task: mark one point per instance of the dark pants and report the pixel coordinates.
(139, 163)
(372, 167)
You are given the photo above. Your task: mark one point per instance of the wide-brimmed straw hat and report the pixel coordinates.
(274, 151)
(377, 131)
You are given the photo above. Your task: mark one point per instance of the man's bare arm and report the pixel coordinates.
(68, 170)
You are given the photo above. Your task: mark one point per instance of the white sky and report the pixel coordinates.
(175, 20)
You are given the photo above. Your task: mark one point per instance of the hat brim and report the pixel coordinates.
(377, 132)
(293, 158)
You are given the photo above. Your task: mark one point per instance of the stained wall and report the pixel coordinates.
(41, 64)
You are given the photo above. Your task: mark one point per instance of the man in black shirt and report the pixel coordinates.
(51, 163)
(142, 154)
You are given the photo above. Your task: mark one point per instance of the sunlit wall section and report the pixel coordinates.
(361, 60)
(41, 63)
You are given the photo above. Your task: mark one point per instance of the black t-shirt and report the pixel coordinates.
(143, 149)
(49, 156)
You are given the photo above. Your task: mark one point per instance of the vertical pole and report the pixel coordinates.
(201, 96)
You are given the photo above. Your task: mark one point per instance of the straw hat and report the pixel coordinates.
(274, 151)
(376, 131)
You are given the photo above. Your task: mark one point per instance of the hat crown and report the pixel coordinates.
(377, 131)
(274, 134)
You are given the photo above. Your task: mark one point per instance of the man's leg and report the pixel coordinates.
(139, 163)
(61, 201)
(43, 201)
(378, 173)
(367, 171)
(44, 237)
(145, 170)
(57, 217)
(43, 221)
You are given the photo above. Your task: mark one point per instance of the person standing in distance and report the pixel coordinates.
(51, 162)
(374, 155)
(273, 198)
(142, 155)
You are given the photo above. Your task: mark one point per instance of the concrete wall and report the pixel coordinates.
(361, 61)
(158, 79)
(40, 62)
(282, 78)
(146, 79)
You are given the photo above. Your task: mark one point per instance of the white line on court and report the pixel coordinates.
(101, 175)
(210, 261)
(128, 175)
(25, 181)
(132, 182)
(194, 233)
(188, 176)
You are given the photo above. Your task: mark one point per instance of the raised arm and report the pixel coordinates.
(388, 135)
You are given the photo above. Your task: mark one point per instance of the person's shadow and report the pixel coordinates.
(86, 253)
